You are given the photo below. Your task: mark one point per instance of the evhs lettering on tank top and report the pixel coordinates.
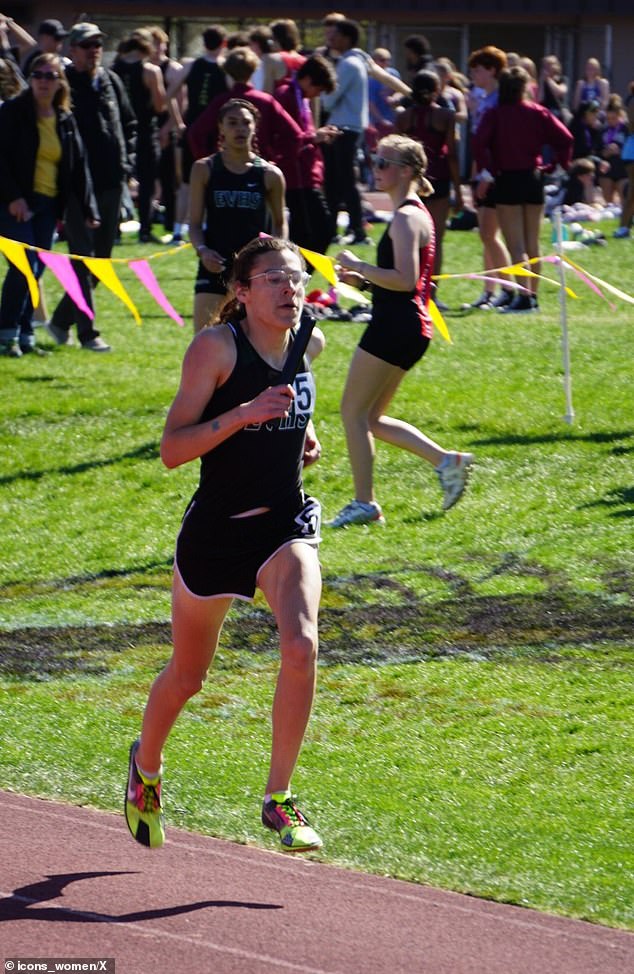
(237, 199)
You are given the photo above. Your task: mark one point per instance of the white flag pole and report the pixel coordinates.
(563, 317)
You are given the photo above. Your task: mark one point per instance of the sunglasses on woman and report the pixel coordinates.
(380, 162)
(44, 75)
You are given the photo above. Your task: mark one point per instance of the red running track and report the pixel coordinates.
(75, 884)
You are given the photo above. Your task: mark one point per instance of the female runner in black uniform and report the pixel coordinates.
(248, 525)
(397, 336)
(234, 195)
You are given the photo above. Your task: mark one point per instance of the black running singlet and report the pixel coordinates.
(204, 81)
(235, 206)
(140, 97)
(416, 302)
(260, 465)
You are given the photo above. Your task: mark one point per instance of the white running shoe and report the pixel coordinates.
(453, 474)
(483, 302)
(61, 336)
(356, 512)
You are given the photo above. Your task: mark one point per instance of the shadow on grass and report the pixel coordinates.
(147, 451)
(43, 378)
(618, 497)
(565, 436)
(357, 625)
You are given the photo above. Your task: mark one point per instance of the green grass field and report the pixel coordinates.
(473, 725)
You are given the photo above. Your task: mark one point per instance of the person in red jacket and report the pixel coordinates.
(508, 152)
(309, 216)
(279, 137)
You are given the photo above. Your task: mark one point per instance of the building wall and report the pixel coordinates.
(572, 29)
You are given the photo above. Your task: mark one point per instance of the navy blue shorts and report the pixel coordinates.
(222, 556)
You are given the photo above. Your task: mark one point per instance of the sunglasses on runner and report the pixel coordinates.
(45, 75)
(278, 278)
(380, 162)
(88, 45)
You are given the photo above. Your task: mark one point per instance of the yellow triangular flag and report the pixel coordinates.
(353, 293)
(321, 263)
(517, 270)
(15, 252)
(102, 268)
(439, 321)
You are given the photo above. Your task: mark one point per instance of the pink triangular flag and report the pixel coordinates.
(146, 276)
(62, 268)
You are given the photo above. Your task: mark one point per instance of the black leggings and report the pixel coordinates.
(340, 183)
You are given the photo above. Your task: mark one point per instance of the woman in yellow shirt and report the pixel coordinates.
(41, 158)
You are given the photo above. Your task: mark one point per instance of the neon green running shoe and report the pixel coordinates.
(143, 811)
(282, 815)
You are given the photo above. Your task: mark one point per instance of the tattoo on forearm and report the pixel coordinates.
(215, 425)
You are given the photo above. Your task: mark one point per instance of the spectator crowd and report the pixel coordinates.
(259, 134)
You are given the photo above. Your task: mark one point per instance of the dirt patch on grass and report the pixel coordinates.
(409, 629)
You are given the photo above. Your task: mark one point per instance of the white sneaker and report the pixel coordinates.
(356, 512)
(453, 474)
(61, 336)
(503, 300)
(96, 345)
(483, 302)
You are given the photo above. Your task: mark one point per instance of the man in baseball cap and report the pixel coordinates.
(50, 40)
(107, 126)
(84, 32)
(51, 28)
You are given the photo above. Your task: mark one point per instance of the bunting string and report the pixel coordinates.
(104, 269)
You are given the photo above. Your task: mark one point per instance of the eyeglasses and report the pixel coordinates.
(44, 75)
(380, 162)
(275, 278)
(88, 45)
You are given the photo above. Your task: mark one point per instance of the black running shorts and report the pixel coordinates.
(395, 336)
(209, 283)
(221, 557)
(519, 187)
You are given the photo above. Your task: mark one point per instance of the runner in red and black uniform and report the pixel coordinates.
(397, 336)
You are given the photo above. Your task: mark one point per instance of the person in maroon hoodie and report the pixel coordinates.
(279, 136)
(309, 216)
(508, 152)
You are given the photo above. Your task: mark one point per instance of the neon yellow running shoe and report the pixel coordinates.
(282, 815)
(143, 811)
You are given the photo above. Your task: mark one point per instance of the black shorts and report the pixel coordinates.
(488, 202)
(221, 557)
(208, 283)
(442, 188)
(616, 172)
(519, 187)
(395, 336)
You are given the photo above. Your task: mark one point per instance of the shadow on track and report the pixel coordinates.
(23, 904)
